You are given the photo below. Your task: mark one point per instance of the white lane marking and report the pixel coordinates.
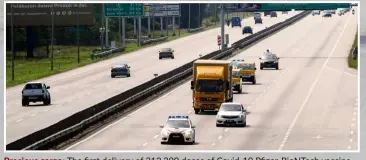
(116, 122)
(189, 112)
(353, 119)
(351, 132)
(354, 113)
(344, 72)
(33, 114)
(19, 120)
(349, 147)
(350, 140)
(312, 88)
(213, 144)
(220, 137)
(144, 144)
(156, 136)
(226, 129)
(46, 110)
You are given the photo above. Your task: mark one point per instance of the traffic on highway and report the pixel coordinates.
(282, 82)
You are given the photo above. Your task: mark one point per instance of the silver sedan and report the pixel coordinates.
(231, 113)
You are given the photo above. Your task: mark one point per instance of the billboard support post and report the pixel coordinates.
(52, 36)
(78, 34)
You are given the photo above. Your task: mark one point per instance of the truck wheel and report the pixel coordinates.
(277, 67)
(113, 76)
(160, 58)
(173, 57)
(240, 90)
(196, 111)
(254, 80)
(261, 68)
(129, 75)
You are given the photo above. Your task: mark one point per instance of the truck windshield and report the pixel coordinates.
(210, 85)
(245, 66)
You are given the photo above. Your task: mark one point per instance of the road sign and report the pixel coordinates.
(160, 10)
(123, 9)
(218, 40)
(253, 7)
(40, 14)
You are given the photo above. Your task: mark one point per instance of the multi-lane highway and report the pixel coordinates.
(309, 103)
(78, 89)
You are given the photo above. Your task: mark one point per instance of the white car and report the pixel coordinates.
(36, 92)
(316, 12)
(231, 113)
(178, 128)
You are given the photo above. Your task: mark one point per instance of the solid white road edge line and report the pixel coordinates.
(312, 88)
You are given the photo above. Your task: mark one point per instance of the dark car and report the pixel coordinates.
(327, 14)
(258, 20)
(267, 13)
(284, 12)
(166, 53)
(235, 21)
(269, 61)
(247, 29)
(120, 70)
(273, 14)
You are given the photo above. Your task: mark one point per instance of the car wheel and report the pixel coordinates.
(240, 90)
(129, 75)
(25, 103)
(277, 67)
(113, 76)
(245, 124)
(218, 125)
(45, 102)
(254, 80)
(196, 111)
(160, 58)
(172, 57)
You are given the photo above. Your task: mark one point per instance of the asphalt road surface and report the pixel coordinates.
(309, 103)
(81, 88)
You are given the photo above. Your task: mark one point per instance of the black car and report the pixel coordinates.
(120, 70)
(267, 13)
(273, 14)
(258, 20)
(166, 53)
(327, 14)
(284, 12)
(269, 61)
(247, 29)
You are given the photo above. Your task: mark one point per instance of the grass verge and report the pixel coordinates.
(65, 57)
(353, 63)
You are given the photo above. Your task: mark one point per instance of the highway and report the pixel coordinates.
(310, 103)
(81, 88)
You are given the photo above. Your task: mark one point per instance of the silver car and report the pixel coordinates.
(231, 113)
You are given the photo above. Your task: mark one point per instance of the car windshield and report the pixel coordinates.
(230, 107)
(236, 74)
(269, 57)
(177, 124)
(210, 85)
(33, 86)
(245, 66)
(120, 69)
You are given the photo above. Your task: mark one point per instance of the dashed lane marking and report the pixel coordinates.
(226, 129)
(144, 144)
(156, 136)
(19, 120)
(33, 114)
(220, 137)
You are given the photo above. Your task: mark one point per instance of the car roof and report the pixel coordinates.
(119, 65)
(236, 103)
(34, 83)
(165, 49)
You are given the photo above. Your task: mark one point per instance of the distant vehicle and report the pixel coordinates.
(36, 92)
(231, 113)
(273, 14)
(284, 12)
(247, 71)
(333, 11)
(237, 81)
(257, 15)
(166, 53)
(341, 12)
(315, 12)
(247, 29)
(258, 20)
(267, 13)
(179, 129)
(327, 13)
(235, 21)
(269, 61)
(120, 70)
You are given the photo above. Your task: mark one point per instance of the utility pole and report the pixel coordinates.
(103, 28)
(222, 21)
(78, 34)
(123, 31)
(52, 34)
(12, 44)
(199, 15)
(189, 17)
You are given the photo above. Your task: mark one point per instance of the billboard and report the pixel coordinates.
(40, 14)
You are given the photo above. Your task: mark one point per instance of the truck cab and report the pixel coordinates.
(237, 80)
(211, 84)
(247, 71)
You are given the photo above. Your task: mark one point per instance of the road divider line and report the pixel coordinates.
(349, 147)
(226, 129)
(213, 144)
(156, 136)
(120, 120)
(220, 137)
(312, 88)
(144, 144)
(19, 120)
(344, 72)
(33, 114)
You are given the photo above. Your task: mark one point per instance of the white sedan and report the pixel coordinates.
(178, 129)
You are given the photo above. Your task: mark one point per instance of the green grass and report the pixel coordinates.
(351, 62)
(65, 57)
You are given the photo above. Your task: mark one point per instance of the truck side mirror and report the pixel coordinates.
(192, 84)
(260, 58)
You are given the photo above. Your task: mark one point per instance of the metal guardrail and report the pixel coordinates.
(70, 126)
(107, 53)
(149, 41)
(195, 29)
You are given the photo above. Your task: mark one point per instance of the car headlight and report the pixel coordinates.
(188, 132)
(164, 132)
(218, 116)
